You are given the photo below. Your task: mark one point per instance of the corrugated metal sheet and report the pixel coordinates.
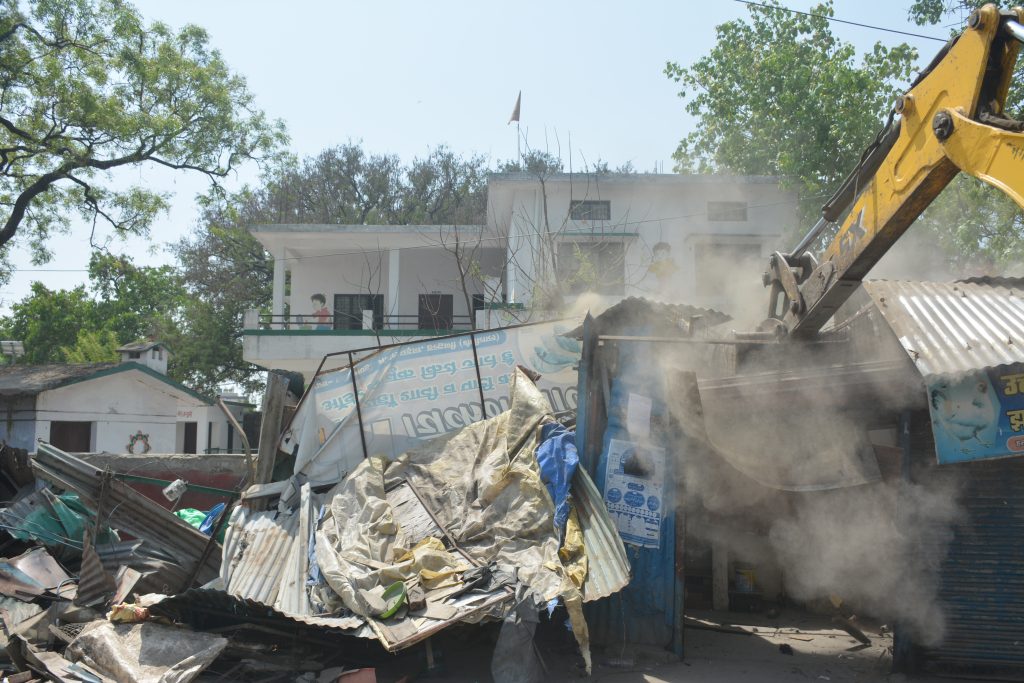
(954, 328)
(194, 607)
(981, 588)
(256, 551)
(607, 564)
(654, 317)
(127, 509)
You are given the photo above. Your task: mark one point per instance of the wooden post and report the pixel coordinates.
(270, 428)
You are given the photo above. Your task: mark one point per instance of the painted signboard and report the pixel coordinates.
(413, 392)
(978, 416)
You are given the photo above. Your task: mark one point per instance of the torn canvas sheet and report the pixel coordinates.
(483, 487)
(145, 653)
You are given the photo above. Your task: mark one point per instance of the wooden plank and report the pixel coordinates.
(270, 428)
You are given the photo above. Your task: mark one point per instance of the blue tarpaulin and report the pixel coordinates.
(558, 460)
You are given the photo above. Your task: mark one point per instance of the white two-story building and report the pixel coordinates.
(701, 240)
(695, 239)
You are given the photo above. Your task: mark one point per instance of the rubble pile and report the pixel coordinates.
(494, 522)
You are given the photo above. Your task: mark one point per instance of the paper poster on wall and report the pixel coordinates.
(633, 491)
(978, 416)
(638, 416)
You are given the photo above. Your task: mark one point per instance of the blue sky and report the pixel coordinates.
(404, 77)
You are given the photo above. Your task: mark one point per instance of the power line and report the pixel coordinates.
(841, 21)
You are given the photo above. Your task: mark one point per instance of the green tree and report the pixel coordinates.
(226, 272)
(135, 302)
(781, 95)
(92, 347)
(86, 87)
(122, 303)
(47, 320)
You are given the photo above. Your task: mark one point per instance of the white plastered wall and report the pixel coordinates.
(119, 405)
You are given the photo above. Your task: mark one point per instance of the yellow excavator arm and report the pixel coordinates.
(951, 120)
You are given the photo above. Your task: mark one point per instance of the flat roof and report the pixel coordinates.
(640, 178)
(360, 229)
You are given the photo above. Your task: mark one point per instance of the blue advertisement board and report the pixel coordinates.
(978, 416)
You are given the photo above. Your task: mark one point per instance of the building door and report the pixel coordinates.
(348, 310)
(435, 311)
(190, 437)
(73, 437)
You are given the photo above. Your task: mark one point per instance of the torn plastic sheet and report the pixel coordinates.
(145, 653)
(558, 459)
(55, 521)
(484, 490)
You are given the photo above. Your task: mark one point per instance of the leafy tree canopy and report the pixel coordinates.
(779, 94)
(122, 303)
(86, 87)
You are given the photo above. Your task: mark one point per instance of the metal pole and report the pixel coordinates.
(359, 410)
(479, 381)
(809, 238)
(1015, 30)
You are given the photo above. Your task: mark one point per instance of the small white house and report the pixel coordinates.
(125, 407)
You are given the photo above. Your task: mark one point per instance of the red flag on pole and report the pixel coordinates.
(515, 112)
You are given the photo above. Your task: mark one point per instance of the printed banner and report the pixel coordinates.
(979, 416)
(633, 491)
(420, 390)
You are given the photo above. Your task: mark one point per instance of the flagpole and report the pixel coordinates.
(519, 144)
(519, 135)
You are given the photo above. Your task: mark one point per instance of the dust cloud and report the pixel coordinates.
(786, 474)
(874, 546)
(791, 477)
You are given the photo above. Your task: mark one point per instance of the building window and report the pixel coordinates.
(717, 265)
(348, 310)
(479, 302)
(436, 311)
(135, 354)
(592, 267)
(727, 211)
(72, 437)
(590, 210)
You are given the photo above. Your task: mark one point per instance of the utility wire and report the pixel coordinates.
(841, 21)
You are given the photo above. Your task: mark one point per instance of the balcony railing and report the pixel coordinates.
(366, 324)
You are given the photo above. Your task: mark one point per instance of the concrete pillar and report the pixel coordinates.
(394, 276)
(278, 302)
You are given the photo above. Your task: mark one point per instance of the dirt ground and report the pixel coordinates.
(819, 652)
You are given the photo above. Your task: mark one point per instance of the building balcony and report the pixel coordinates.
(300, 342)
(411, 325)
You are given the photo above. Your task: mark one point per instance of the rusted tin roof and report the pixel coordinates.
(956, 327)
(654, 317)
